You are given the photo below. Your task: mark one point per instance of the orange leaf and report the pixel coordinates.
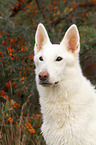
(64, 1)
(7, 84)
(16, 105)
(10, 119)
(28, 6)
(74, 5)
(32, 130)
(0, 35)
(22, 79)
(38, 115)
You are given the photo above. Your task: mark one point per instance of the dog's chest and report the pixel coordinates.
(59, 125)
(61, 122)
(57, 114)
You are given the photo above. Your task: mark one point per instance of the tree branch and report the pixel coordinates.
(20, 7)
(41, 9)
(62, 16)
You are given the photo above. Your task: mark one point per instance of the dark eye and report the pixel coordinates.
(59, 58)
(41, 58)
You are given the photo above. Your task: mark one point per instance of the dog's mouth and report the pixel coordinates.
(47, 84)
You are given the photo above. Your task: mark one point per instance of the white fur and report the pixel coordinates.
(69, 107)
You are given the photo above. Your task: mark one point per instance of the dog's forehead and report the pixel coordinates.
(52, 49)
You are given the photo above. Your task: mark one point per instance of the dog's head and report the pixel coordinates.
(56, 62)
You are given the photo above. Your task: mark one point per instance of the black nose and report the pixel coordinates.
(43, 76)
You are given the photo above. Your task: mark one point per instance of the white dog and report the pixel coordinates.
(67, 98)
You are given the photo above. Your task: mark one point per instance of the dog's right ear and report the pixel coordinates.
(41, 38)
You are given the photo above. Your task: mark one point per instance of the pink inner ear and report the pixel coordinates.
(40, 41)
(73, 43)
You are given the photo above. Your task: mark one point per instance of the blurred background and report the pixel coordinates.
(20, 117)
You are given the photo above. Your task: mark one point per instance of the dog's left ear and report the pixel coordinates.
(71, 40)
(41, 38)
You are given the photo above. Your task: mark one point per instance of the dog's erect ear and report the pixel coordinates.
(71, 40)
(41, 38)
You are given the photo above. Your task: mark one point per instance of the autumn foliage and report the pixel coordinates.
(19, 107)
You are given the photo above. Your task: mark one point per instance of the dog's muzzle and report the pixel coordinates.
(44, 79)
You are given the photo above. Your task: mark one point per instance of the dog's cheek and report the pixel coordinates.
(70, 61)
(57, 73)
(36, 63)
